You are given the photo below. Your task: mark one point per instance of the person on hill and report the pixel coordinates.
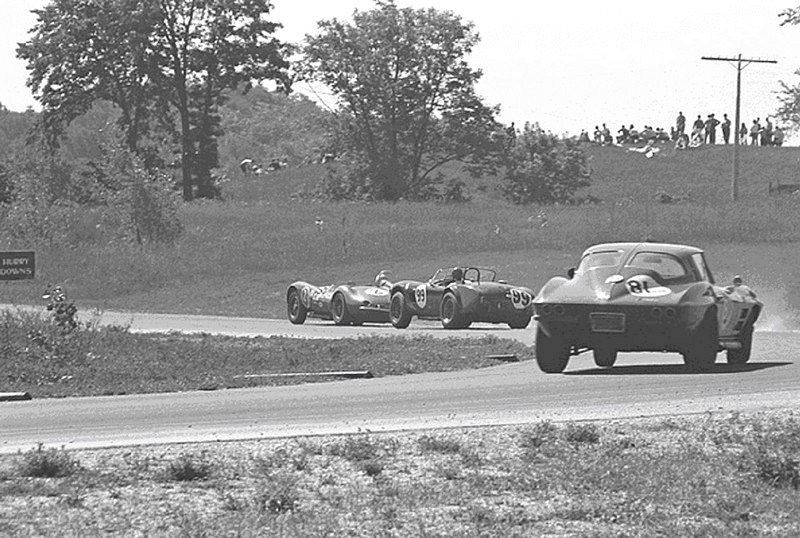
(777, 136)
(711, 129)
(726, 128)
(698, 123)
(633, 134)
(743, 133)
(622, 134)
(680, 124)
(607, 139)
(766, 134)
(755, 132)
(648, 133)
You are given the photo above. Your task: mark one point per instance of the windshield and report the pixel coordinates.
(600, 258)
(664, 265)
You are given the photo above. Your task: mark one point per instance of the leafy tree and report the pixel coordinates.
(165, 63)
(789, 109)
(406, 95)
(543, 168)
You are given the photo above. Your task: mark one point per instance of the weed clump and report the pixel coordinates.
(187, 468)
(47, 463)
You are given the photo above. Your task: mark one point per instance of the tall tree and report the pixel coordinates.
(406, 95)
(157, 60)
(789, 110)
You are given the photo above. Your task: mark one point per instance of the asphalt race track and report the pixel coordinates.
(640, 385)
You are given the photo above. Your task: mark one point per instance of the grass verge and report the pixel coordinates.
(711, 475)
(45, 360)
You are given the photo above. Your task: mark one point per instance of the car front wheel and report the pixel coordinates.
(294, 308)
(552, 351)
(339, 312)
(398, 313)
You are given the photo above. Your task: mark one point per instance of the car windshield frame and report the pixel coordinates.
(582, 265)
(443, 275)
(700, 265)
(686, 275)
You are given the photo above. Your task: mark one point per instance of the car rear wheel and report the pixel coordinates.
(520, 323)
(294, 308)
(552, 351)
(451, 314)
(703, 344)
(398, 313)
(605, 357)
(742, 355)
(339, 312)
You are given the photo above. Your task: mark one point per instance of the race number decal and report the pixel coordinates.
(421, 295)
(378, 292)
(304, 297)
(645, 286)
(521, 299)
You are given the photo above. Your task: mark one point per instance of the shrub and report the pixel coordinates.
(187, 468)
(538, 435)
(777, 468)
(434, 443)
(47, 463)
(582, 434)
(544, 169)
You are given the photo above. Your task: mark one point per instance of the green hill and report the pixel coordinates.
(702, 175)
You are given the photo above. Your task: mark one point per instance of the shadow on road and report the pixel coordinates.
(672, 369)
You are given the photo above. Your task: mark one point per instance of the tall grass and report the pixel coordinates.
(262, 236)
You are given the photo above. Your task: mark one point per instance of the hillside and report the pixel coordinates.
(704, 175)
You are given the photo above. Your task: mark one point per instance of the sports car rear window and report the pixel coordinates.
(665, 265)
(602, 258)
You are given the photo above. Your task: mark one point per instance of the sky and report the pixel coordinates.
(566, 64)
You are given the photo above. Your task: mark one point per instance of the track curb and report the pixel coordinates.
(14, 396)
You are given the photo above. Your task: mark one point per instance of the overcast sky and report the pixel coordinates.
(567, 64)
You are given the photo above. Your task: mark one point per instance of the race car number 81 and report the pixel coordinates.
(520, 299)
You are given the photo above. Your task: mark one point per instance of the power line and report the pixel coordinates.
(740, 64)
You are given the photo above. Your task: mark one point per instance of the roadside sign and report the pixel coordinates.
(17, 265)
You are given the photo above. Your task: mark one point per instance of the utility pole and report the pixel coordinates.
(739, 65)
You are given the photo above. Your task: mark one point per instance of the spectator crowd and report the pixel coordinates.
(702, 131)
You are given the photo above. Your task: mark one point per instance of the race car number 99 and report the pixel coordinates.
(421, 295)
(520, 298)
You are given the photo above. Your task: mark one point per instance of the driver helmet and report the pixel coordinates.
(457, 274)
(737, 280)
(382, 278)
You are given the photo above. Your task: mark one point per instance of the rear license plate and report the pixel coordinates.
(603, 322)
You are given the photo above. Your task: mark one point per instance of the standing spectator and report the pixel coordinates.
(777, 136)
(726, 128)
(766, 134)
(698, 123)
(755, 131)
(711, 129)
(607, 139)
(623, 135)
(598, 135)
(680, 124)
(743, 133)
